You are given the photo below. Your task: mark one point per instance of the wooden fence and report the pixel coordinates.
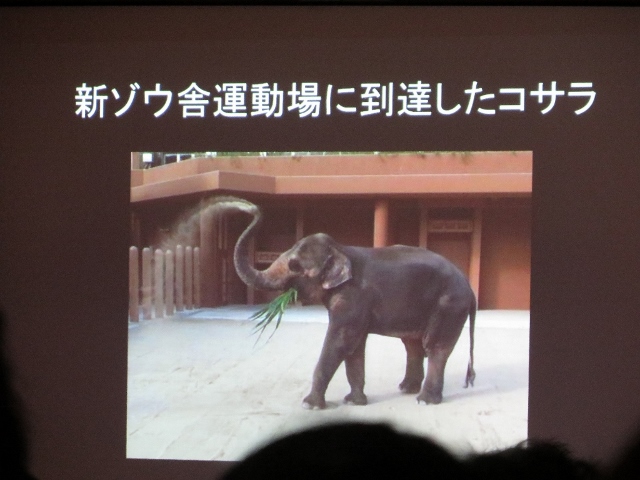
(163, 282)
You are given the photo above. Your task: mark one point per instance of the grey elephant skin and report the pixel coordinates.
(399, 291)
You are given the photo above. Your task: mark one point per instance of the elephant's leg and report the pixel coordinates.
(440, 337)
(338, 343)
(432, 388)
(354, 365)
(414, 373)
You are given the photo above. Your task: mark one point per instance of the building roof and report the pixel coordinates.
(478, 173)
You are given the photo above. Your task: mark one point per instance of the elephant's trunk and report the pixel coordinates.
(273, 278)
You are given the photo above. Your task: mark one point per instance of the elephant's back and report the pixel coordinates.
(404, 255)
(406, 268)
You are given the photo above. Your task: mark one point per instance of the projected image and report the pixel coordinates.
(274, 291)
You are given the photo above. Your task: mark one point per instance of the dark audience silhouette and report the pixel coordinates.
(627, 465)
(372, 451)
(350, 451)
(532, 460)
(14, 454)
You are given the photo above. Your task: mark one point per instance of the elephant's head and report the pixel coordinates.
(312, 266)
(315, 264)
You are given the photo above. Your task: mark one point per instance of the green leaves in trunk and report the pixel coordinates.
(273, 310)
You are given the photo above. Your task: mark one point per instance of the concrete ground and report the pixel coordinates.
(201, 387)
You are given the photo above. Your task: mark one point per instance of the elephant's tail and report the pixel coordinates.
(471, 374)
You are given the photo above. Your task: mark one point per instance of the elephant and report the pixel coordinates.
(399, 291)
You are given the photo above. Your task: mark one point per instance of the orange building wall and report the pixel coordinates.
(278, 230)
(505, 262)
(404, 225)
(349, 222)
(454, 246)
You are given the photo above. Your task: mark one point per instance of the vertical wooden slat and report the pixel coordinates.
(169, 283)
(158, 284)
(134, 285)
(196, 278)
(179, 278)
(188, 278)
(147, 282)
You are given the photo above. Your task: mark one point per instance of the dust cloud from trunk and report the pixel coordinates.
(185, 230)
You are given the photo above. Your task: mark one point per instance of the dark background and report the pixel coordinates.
(64, 186)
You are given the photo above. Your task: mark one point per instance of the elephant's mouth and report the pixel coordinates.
(309, 292)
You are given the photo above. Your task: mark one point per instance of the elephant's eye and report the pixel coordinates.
(294, 265)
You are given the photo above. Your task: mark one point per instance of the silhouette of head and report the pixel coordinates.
(349, 451)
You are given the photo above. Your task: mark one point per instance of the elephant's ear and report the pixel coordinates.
(339, 270)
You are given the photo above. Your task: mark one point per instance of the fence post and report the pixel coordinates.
(196, 277)
(146, 283)
(168, 283)
(188, 278)
(134, 285)
(179, 278)
(158, 283)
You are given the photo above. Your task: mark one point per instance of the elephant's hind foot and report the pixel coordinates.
(356, 398)
(429, 398)
(314, 402)
(408, 386)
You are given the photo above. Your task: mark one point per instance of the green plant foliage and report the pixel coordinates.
(273, 310)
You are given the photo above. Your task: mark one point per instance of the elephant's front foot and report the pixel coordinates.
(428, 398)
(314, 401)
(356, 398)
(410, 386)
